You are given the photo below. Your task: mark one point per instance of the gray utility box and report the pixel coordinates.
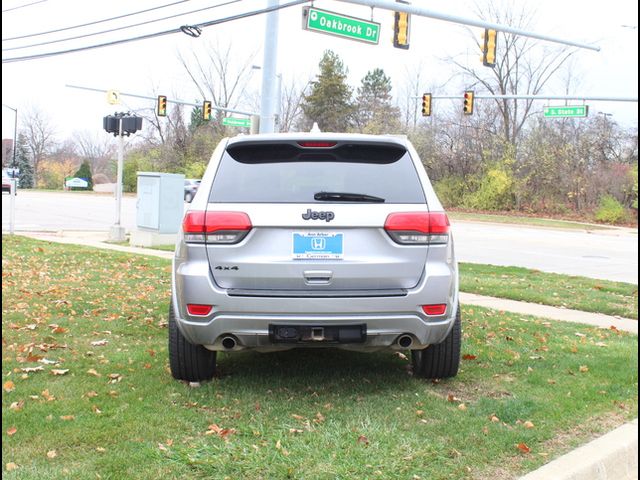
(160, 205)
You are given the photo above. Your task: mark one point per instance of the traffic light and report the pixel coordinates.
(162, 106)
(206, 110)
(401, 24)
(426, 104)
(468, 102)
(489, 47)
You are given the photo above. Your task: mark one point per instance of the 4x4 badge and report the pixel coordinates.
(312, 215)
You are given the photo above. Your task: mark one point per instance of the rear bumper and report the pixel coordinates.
(246, 319)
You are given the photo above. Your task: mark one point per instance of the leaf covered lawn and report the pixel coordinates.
(87, 391)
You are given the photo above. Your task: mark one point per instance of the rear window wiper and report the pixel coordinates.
(346, 197)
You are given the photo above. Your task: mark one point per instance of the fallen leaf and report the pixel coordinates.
(523, 448)
(584, 368)
(319, 418)
(47, 396)
(96, 409)
(297, 417)
(12, 431)
(452, 398)
(278, 445)
(17, 406)
(59, 371)
(419, 412)
(162, 447)
(32, 369)
(363, 439)
(99, 343)
(10, 466)
(93, 372)
(91, 394)
(601, 344)
(67, 418)
(9, 386)
(401, 356)
(52, 454)
(468, 356)
(101, 449)
(578, 334)
(493, 418)
(462, 406)
(295, 430)
(528, 424)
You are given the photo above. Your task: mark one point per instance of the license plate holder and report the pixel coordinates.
(317, 245)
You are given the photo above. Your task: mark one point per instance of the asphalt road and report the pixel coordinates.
(607, 254)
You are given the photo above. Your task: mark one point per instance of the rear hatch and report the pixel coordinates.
(310, 217)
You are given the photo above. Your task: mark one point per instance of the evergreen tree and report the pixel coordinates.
(25, 177)
(329, 102)
(85, 172)
(375, 113)
(196, 119)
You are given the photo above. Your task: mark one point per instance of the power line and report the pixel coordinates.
(158, 34)
(22, 6)
(95, 22)
(122, 28)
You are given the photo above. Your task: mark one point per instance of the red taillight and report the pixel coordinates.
(437, 309)
(200, 310)
(418, 228)
(215, 227)
(317, 144)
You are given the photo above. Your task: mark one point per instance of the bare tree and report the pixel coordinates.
(97, 149)
(39, 133)
(524, 66)
(218, 78)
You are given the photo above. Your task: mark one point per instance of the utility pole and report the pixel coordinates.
(269, 87)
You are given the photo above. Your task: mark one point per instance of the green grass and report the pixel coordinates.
(300, 414)
(522, 284)
(523, 220)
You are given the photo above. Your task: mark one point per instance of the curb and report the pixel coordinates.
(613, 456)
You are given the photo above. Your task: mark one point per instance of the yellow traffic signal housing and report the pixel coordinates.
(489, 47)
(401, 30)
(206, 110)
(162, 106)
(468, 103)
(426, 104)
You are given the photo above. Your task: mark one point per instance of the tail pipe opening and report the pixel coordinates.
(229, 343)
(405, 341)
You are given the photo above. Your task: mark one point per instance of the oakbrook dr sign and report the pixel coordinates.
(340, 25)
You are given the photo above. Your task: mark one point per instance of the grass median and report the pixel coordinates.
(86, 389)
(523, 284)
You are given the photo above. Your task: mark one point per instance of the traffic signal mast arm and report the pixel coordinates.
(424, 12)
(178, 102)
(538, 97)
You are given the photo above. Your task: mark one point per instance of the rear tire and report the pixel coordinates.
(442, 359)
(189, 362)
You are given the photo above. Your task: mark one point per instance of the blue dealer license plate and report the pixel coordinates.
(317, 245)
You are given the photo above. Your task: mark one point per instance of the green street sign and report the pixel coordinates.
(236, 122)
(340, 25)
(567, 111)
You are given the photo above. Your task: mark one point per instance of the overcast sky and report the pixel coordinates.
(151, 67)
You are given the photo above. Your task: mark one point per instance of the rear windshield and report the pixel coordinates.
(284, 173)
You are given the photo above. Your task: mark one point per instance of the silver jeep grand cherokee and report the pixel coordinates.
(314, 240)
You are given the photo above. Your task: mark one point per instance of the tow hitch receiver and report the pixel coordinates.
(317, 334)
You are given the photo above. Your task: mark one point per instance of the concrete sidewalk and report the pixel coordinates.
(614, 456)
